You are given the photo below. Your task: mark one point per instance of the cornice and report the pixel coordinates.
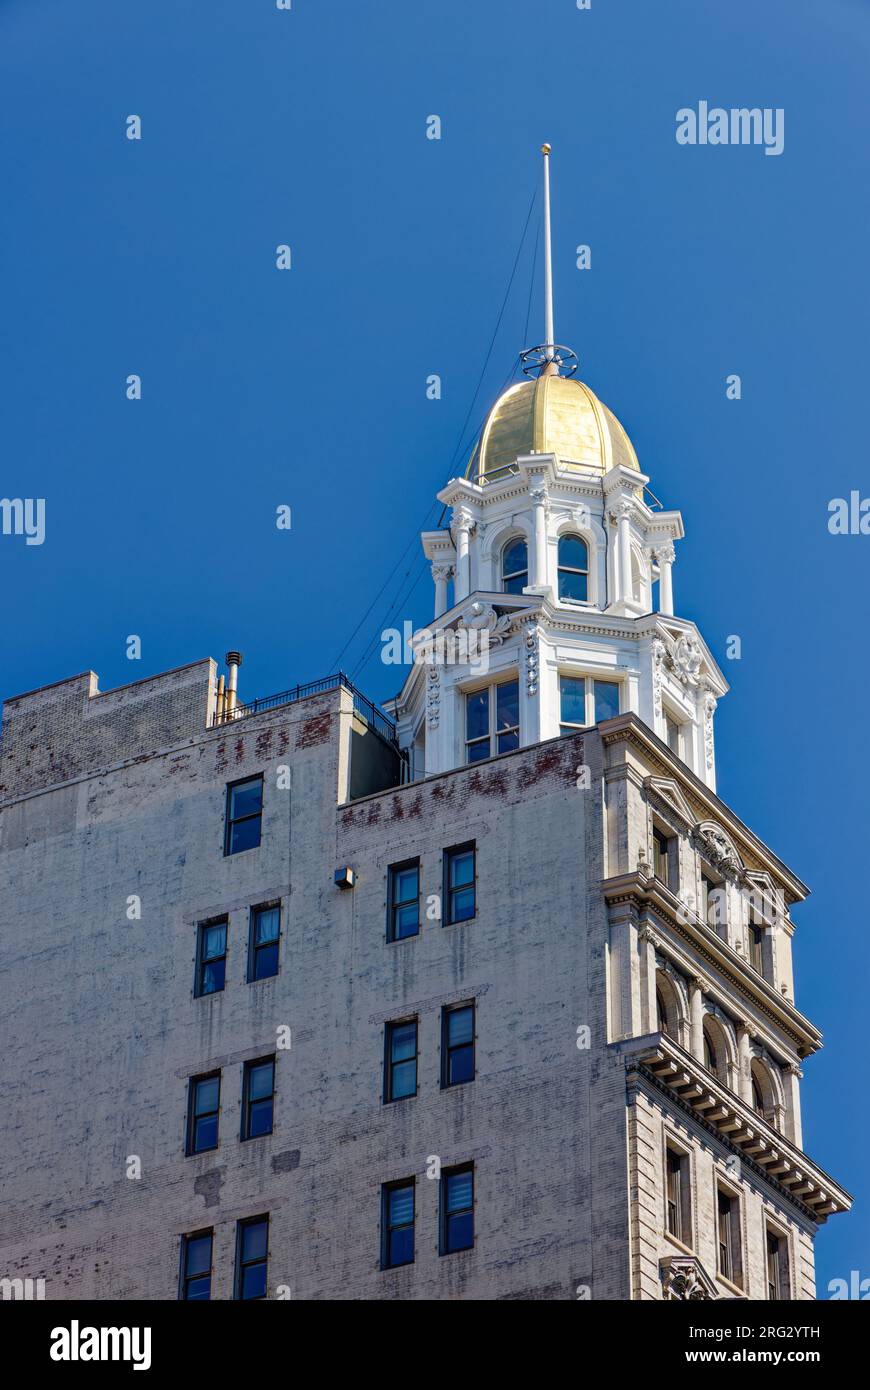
(679, 1076)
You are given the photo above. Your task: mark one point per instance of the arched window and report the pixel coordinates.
(573, 568)
(765, 1098)
(515, 567)
(662, 1015)
(709, 1054)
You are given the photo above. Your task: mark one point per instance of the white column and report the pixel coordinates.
(792, 1077)
(696, 1017)
(744, 1078)
(623, 548)
(440, 574)
(463, 521)
(665, 557)
(538, 494)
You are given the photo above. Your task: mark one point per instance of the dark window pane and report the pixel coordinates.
(266, 925)
(205, 1134)
(199, 1290)
(246, 799)
(207, 1095)
(477, 714)
(401, 1247)
(245, 835)
(507, 705)
(214, 941)
(406, 885)
(515, 558)
(404, 1082)
(254, 1281)
(461, 1067)
(606, 700)
(461, 868)
(460, 1026)
(261, 1118)
(573, 699)
(460, 1189)
(407, 920)
(478, 751)
(573, 553)
(260, 1080)
(403, 1038)
(463, 904)
(401, 1205)
(572, 585)
(266, 962)
(199, 1255)
(460, 1232)
(508, 742)
(214, 977)
(255, 1239)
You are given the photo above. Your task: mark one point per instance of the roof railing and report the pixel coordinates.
(375, 718)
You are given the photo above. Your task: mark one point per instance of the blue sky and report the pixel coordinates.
(307, 387)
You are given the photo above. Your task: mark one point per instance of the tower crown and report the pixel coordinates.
(551, 415)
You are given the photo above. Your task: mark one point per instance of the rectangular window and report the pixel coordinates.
(400, 1060)
(457, 1045)
(713, 901)
(572, 701)
(263, 944)
(252, 1257)
(728, 1225)
(196, 1266)
(662, 846)
(678, 1199)
(492, 721)
(211, 957)
(244, 815)
(672, 733)
(203, 1112)
(457, 1209)
(258, 1098)
(460, 889)
(403, 900)
(756, 947)
(777, 1266)
(585, 700)
(397, 1223)
(606, 700)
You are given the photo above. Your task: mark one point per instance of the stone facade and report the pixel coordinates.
(114, 799)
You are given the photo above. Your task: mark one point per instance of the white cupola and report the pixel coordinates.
(554, 605)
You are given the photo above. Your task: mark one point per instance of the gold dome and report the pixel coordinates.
(552, 415)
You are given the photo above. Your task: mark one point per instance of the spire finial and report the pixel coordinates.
(549, 331)
(549, 359)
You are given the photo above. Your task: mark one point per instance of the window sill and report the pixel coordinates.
(675, 1241)
(466, 922)
(732, 1288)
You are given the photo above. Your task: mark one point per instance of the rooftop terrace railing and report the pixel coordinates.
(375, 718)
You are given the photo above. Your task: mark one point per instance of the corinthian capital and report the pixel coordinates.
(462, 520)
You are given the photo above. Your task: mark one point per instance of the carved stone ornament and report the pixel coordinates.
(433, 697)
(482, 617)
(684, 1279)
(717, 847)
(709, 710)
(532, 660)
(687, 659)
(658, 656)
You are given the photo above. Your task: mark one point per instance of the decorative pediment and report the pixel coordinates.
(684, 1278)
(717, 846)
(668, 791)
(483, 618)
